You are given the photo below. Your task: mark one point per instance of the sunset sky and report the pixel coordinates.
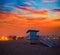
(18, 16)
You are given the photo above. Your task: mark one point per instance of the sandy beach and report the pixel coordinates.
(22, 47)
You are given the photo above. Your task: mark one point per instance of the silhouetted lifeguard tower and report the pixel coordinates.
(35, 39)
(33, 34)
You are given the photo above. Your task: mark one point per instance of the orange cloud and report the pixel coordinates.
(56, 20)
(42, 12)
(19, 24)
(38, 12)
(7, 16)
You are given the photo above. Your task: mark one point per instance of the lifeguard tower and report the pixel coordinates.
(33, 37)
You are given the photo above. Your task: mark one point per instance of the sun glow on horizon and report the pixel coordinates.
(4, 38)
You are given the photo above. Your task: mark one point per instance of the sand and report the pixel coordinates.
(23, 47)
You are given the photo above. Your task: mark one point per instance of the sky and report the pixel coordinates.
(18, 16)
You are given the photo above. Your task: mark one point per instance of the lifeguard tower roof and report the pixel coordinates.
(32, 31)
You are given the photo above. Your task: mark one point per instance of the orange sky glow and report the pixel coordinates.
(18, 23)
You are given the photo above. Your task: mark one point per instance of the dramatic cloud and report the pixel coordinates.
(17, 16)
(56, 20)
(56, 10)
